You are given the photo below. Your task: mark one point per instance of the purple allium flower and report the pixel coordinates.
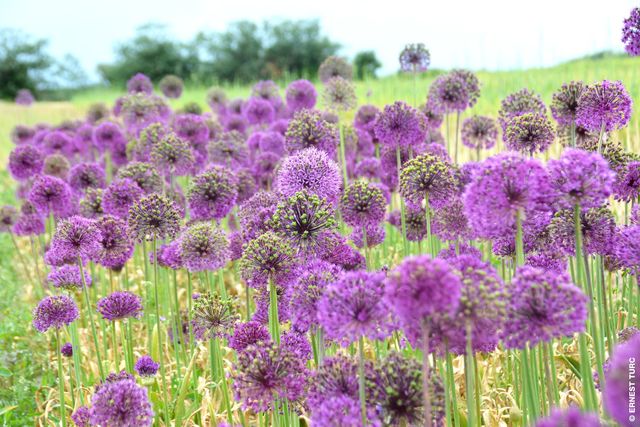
(479, 132)
(265, 372)
(312, 171)
(334, 66)
(68, 277)
(272, 142)
(139, 83)
(107, 135)
(24, 97)
(604, 106)
(627, 247)
(571, 417)
(368, 168)
(171, 86)
(245, 184)
(146, 367)
(29, 222)
(228, 149)
(564, 104)
(449, 222)
(56, 165)
(362, 204)
(191, 127)
(307, 129)
(154, 217)
(97, 112)
(54, 312)
(427, 176)
(365, 118)
(627, 185)
(258, 111)
(631, 33)
(333, 248)
(119, 196)
(121, 403)
(140, 149)
(25, 162)
(416, 222)
(375, 234)
(400, 125)
(204, 248)
(598, 230)
(57, 141)
(415, 58)
(267, 90)
(216, 99)
(542, 305)
(22, 134)
(50, 195)
(454, 92)
(76, 238)
(169, 255)
(339, 94)
(86, 175)
(144, 175)
(8, 218)
(81, 417)
(297, 343)
(301, 94)
(268, 257)
(454, 251)
(528, 133)
(617, 398)
(518, 103)
(433, 119)
(580, 178)
(352, 307)
(235, 122)
(172, 155)
(116, 247)
(212, 193)
(249, 333)
(505, 184)
(262, 301)
(255, 213)
(140, 110)
(301, 218)
(120, 305)
(342, 411)
(67, 349)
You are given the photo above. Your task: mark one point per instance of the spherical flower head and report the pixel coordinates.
(212, 193)
(249, 333)
(343, 411)
(542, 305)
(106, 135)
(265, 372)
(262, 302)
(449, 221)
(140, 149)
(144, 175)
(268, 257)
(171, 86)
(335, 66)
(54, 312)
(67, 349)
(604, 105)
(518, 103)
(97, 112)
(362, 204)
(80, 417)
(258, 111)
(631, 33)
(146, 367)
(121, 403)
(212, 316)
(427, 176)
(598, 226)
(352, 307)
(68, 277)
(309, 170)
(24, 97)
(564, 103)
(139, 83)
(369, 236)
(86, 175)
(216, 99)
(453, 92)
(415, 58)
(140, 110)
(191, 127)
(307, 129)
(627, 185)
(56, 165)
(529, 133)
(627, 247)
(479, 132)
(365, 118)
(25, 162)
(255, 213)
(617, 399)
(272, 142)
(571, 417)
(228, 149)
(154, 217)
(333, 248)
(452, 252)
(580, 178)
(173, 155)
(421, 289)
(8, 217)
(169, 255)
(119, 196)
(368, 168)
(50, 195)
(267, 90)
(116, 247)
(339, 94)
(204, 247)
(415, 219)
(120, 305)
(76, 238)
(400, 125)
(504, 185)
(301, 218)
(301, 94)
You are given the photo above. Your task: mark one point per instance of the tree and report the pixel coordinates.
(23, 63)
(366, 64)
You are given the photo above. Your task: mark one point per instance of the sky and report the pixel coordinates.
(482, 34)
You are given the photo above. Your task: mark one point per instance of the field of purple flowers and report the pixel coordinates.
(297, 258)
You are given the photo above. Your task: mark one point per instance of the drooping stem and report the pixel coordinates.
(63, 415)
(91, 321)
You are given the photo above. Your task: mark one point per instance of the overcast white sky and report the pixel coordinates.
(489, 34)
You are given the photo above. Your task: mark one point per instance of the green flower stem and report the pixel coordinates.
(274, 321)
(77, 362)
(63, 415)
(455, 156)
(91, 321)
(156, 285)
(403, 218)
(426, 374)
(470, 380)
(361, 381)
(452, 386)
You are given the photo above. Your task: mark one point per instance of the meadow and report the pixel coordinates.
(28, 390)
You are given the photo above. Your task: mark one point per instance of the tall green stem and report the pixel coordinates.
(85, 291)
(426, 374)
(63, 415)
(274, 321)
(160, 332)
(403, 217)
(361, 381)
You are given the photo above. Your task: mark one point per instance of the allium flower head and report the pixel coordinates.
(153, 217)
(249, 333)
(449, 221)
(301, 94)
(116, 247)
(121, 404)
(339, 94)
(172, 155)
(107, 135)
(518, 103)
(68, 277)
(25, 162)
(8, 217)
(598, 226)
(268, 257)
(204, 247)
(479, 132)
(86, 175)
(564, 104)
(604, 105)
(617, 399)
(580, 178)
(50, 195)
(258, 111)
(631, 33)
(144, 175)
(140, 110)
(171, 86)
(415, 220)
(54, 312)
(365, 118)
(67, 349)
(56, 165)
(57, 141)
(254, 214)
(81, 417)
(400, 125)
(139, 83)
(335, 66)
(307, 129)
(454, 92)
(213, 316)
(415, 58)
(216, 99)
(24, 97)
(29, 222)
(571, 417)
(352, 307)
(76, 238)
(119, 196)
(228, 149)
(309, 170)
(333, 248)
(627, 185)
(267, 90)
(191, 127)
(212, 193)
(427, 176)
(529, 133)
(146, 366)
(362, 204)
(627, 249)
(120, 305)
(542, 305)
